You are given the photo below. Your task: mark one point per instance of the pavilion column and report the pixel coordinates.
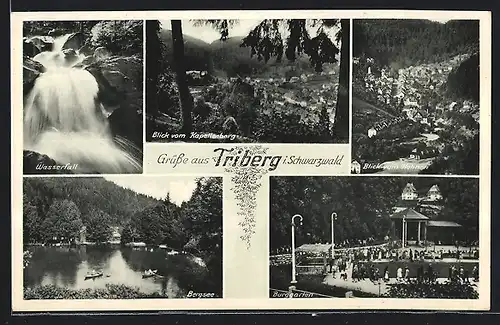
(406, 231)
(403, 234)
(425, 234)
(418, 234)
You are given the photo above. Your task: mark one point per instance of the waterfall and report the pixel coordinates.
(64, 119)
(59, 42)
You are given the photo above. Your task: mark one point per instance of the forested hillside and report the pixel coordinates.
(87, 193)
(363, 205)
(196, 51)
(412, 42)
(229, 59)
(463, 81)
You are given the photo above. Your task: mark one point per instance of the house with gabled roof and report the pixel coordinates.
(355, 167)
(434, 194)
(409, 192)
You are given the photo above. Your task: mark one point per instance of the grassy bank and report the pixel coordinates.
(112, 291)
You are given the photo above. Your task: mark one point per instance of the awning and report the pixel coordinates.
(315, 248)
(442, 223)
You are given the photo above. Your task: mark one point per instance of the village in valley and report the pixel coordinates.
(303, 104)
(406, 119)
(305, 95)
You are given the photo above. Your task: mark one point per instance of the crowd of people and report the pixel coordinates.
(411, 254)
(391, 251)
(359, 263)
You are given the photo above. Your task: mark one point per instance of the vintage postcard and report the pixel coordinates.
(251, 160)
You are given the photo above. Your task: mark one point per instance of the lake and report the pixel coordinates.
(66, 267)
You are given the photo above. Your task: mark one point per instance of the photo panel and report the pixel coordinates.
(415, 98)
(248, 80)
(122, 237)
(82, 97)
(393, 237)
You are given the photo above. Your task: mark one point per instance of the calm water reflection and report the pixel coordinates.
(67, 267)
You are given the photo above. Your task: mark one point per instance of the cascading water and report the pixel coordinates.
(64, 119)
(59, 42)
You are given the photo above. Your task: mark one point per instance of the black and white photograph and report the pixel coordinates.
(83, 97)
(122, 237)
(343, 149)
(374, 237)
(248, 80)
(415, 103)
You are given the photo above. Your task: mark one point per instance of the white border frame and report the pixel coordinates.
(483, 303)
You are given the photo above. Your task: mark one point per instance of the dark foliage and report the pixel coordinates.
(413, 41)
(120, 37)
(363, 205)
(416, 289)
(463, 82)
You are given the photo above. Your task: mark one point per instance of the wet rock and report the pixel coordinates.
(30, 49)
(87, 61)
(126, 122)
(44, 43)
(31, 70)
(32, 159)
(87, 49)
(130, 67)
(109, 96)
(120, 91)
(75, 41)
(101, 53)
(120, 81)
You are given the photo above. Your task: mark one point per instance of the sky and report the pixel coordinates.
(208, 34)
(244, 26)
(180, 188)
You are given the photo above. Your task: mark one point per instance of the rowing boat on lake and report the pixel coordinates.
(149, 273)
(93, 275)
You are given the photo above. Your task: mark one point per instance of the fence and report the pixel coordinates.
(310, 269)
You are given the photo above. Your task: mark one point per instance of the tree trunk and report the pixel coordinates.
(153, 57)
(180, 73)
(341, 126)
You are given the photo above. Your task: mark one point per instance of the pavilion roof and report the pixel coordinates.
(409, 214)
(314, 248)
